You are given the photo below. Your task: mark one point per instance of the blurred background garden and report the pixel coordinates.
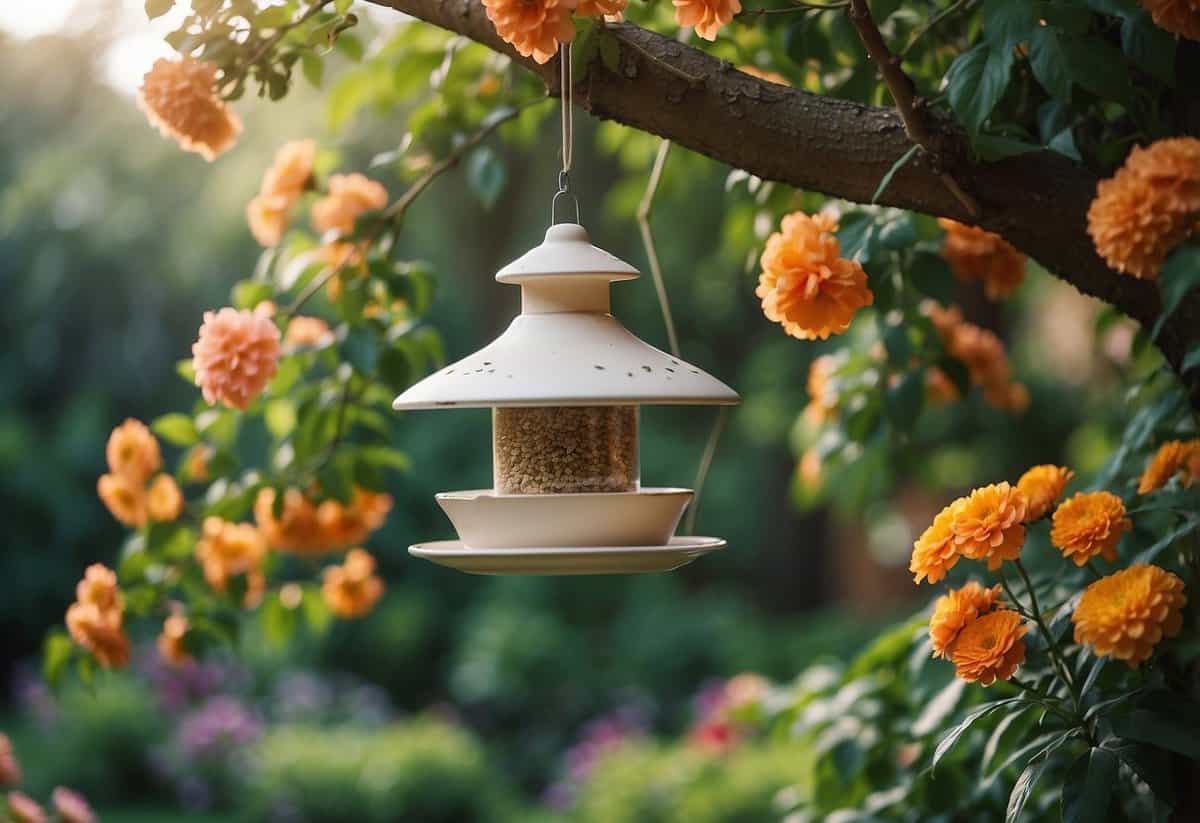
(458, 698)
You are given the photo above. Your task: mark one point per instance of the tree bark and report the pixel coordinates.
(1038, 201)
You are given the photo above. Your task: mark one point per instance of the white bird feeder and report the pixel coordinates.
(564, 383)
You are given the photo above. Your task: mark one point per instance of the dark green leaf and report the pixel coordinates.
(1192, 360)
(1046, 60)
(935, 712)
(1152, 765)
(385, 456)
(898, 234)
(585, 48)
(361, 350)
(976, 82)
(56, 656)
(486, 174)
(931, 275)
(1029, 777)
(1097, 67)
(1008, 22)
(1088, 787)
(1165, 721)
(886, 180)
(610, 52)
(1180, 274)
(955, 732)
(177, 429)
(992, 147)
(904, 400)
(1163, 543)
(1151, 48)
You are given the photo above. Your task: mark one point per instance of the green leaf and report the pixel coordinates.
(1088, 788)
(177, 429)
(993, 147)
(350, 45)
(1180, 274)
(976, 82)
(1149, 47)
(957, 731)
(280, 417)
(186, 370)
(935, 712)
(313, 68)
(157, 8)
(1152, 765)
(1029, 777)
(585, 48)
(277, 622)
(249, 293)
(1162, 544)
(610, 51)
(56, 656)
(904, 400)
(316, 613)
(887, 178)
(386, 457)
(486, 175)
(1008, 22)
(932, 276)
(1164, 720)
(1097, 67)
(272, 17)
(361, 350)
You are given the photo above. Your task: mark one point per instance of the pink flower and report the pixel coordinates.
(235, 356)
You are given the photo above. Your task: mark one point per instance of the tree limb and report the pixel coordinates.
(1038, 202)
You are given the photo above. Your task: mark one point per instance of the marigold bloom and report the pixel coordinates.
(295, 529)
(1175, 457)
(989, 648)
(351, 589)
(822, 391)
(171, 641)
(982, 352)
(124, 499)
(707, 17)
(303, 332)
(226, 550)
(71, 806)
(1180, 17)
(164, 501)
(806, 286)
(1089, 524)
(100, 632)
(132, 451)
(954, 610)
(990, 524)
(24, 809)
(236, 355)
(935, 552)
(1125, 614)
(1148, 207)
(535, 28)
(345, 524)
(180, 98)
(975, 254)
(763, 74)
(99, 587)
(10, 769)
(1043, 486)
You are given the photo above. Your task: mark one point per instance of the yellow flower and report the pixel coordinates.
(226, 550)
(351, 589)
(806, 285)
(1125, 614)
(180, 98)
(1180, 17)
(935, 552)
(989, 648)
(171, 641)
(533, 27)
(10, 769)
(125, 499)
(1043, 486)
(975, 254)
(235, 356)
(954, 610)
(989, 524)
(100, 632)
(1089, 524)
(164, 501)
(1173, 457)
(707, 16)
(132, 451)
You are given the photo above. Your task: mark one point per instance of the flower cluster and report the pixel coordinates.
(96, 619)
(986, 525)
(283, 183)
(306, 528)
(180, 99)
(975, 254)
(1151, 205)
(351, 589)
(132, 490)
(1174, 458)
(983, 355)
(806, 285)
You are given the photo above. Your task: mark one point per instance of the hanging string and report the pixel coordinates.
(566, 93)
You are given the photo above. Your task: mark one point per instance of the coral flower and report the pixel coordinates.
(763, 74)
(1125, 614)
(226, 550)
(989, 524)
(99, 587)
(351, 589)
(236, 354)
(1180, 17)
(1089, 524)
(1148, 207)
(132, 451)
(350, 195)
(806, 285)
(100, 632)
(10, 769)
(71, 806)
(304, 332)
(24, 809)
(164, 501)
(180, 98)
(975, 254)
(935, 552)
(1043, 486)
(291, 171)
(295, 529)
(124, 499)
(707, 17)
(267, 217)
(535, 28)
(1175, 457)
(954, 610)
(171, 642)
(822, 390)
(989, 648)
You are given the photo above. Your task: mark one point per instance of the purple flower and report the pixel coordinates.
(220, 726)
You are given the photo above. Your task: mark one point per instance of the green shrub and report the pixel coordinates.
(424, 770)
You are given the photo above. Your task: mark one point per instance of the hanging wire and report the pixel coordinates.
(566, 93)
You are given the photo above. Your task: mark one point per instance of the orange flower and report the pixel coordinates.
(1173, 457)
(935, 552)
(982, 353)
(351, 589)
(1148, 207)
(763, 74)
(1043, 486)
(123, 498)
(990, 524)
(71, 806)
(236, 355)
(975, 254)
(132, 451)
(24, 809)
(706, 16)
(180, 98)
(10, 769)
(954, 610)
(305, 332)
(267, 217)
(100, 632)
(226, 550)
(822, 390)
(806, 285)
(171, 642)
(291, 171)
(295, 529)
(350, 195)
(342, 525)
(1089, 524)
(197, 463)
(533, 27)
(99, 587)
(1180, 17)
(164, 501)
(610, 9)
(989, 648)
(1125, 614)
(939, 388)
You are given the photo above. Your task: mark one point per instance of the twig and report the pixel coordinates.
(710, 451)
(937, 18)
(903, 93)
(643, 221)
(795, 7)
(282, 31)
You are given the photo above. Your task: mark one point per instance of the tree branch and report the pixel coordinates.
(1038, 202)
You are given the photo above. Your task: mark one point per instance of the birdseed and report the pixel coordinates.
(565, 449)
